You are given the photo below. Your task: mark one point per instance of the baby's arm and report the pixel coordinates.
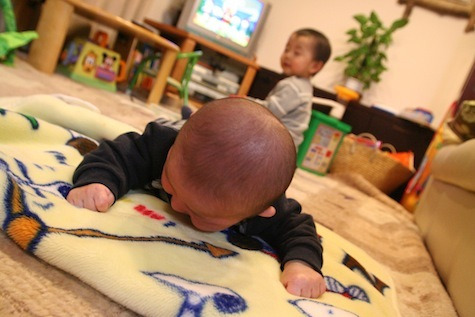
(96, 197)
(300, 279)
(115, 167)
(293, 235)
(283, 99)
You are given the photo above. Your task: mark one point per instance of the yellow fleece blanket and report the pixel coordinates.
(142, 254)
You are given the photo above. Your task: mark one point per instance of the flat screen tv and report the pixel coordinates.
(234, 24)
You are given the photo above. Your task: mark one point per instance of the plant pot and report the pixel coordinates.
(354, 84)
(345, 95)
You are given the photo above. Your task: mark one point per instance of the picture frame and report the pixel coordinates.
(461, 8)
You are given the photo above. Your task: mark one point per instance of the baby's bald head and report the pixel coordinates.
(236, 152)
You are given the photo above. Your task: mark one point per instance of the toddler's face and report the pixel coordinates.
(297, 58)
(205, 214)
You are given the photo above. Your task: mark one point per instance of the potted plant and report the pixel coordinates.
(365, 61)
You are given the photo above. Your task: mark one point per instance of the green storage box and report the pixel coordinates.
(321, 142)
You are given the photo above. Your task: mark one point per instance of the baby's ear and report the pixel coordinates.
(316, 66)
(269, 212)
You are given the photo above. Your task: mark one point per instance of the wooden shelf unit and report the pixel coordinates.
(53, 26)
(188, 41)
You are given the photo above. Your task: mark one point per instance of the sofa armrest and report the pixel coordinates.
(453, 164)
(445, 216)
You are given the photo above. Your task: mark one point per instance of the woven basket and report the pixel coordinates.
(381, 170)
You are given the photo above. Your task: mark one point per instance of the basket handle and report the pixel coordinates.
(368, 135)
(383, 146)
(373, 141)
(388, 146)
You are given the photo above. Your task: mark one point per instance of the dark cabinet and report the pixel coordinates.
(405, 135)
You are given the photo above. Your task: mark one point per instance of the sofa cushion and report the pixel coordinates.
(454, 164)
(445, 216)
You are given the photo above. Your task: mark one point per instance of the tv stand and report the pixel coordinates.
(188, 42)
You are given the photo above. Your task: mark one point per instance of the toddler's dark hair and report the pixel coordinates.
(322, 49)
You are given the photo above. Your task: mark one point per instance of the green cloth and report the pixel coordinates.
(11, 39)
(8, 15)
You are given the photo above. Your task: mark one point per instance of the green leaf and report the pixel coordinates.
(386, 38)
(378, 62)
(375, 77)
(365, 48)
(375, 19)
(370, 62)
(399, 24)
(351, 71)
(361, 19)
(354, 39)
(369, 31)
(365, 77)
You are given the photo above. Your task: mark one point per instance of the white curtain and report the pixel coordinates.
(132, 10)
(127, 9)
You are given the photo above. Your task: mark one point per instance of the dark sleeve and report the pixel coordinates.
(291, 233)
(128, 162)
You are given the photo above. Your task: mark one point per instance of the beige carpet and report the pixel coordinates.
(351, 207)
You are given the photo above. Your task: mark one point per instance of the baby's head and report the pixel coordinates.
(231, 160)
(305, 54)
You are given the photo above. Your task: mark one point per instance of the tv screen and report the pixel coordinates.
(234, 24)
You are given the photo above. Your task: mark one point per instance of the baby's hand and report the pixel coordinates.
(300, 279)
(96, 197)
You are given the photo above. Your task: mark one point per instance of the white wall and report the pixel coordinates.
(428, 62)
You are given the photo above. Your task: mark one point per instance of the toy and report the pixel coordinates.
(92, 64)
(101, 38)
(321, 142)
(10, 40)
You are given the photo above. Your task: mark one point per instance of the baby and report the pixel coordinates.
(305, 54)
(228, 167)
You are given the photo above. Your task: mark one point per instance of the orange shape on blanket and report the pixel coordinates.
(16, 201)
(23, 230)
(218, 252)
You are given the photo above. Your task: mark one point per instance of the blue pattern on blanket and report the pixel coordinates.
(352, 291)
(24, 180)
(354, 265)
(311, 308)
(145, 256)
(196, 294)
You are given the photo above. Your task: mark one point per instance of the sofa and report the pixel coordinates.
(445, 215)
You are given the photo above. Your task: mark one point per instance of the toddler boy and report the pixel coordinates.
(228, 166)
(305, 54)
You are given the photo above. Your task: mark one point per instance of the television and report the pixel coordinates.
(234, 24)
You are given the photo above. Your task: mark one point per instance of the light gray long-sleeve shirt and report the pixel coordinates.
(291, 101)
